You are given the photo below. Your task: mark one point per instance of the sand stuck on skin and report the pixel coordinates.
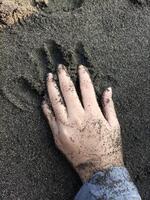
(112, 38)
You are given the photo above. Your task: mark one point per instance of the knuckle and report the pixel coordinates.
(56, 100)
(67, 87)
(77, 121)
(106, 101)
(86, 84)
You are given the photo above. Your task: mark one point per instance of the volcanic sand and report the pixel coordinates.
(112, 38)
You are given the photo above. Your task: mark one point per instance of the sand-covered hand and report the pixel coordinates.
(89, 136)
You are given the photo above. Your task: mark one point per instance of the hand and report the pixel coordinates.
(89, 139)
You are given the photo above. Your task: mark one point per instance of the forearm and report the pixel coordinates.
(114, 183)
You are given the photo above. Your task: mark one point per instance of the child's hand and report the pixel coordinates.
(89, 139)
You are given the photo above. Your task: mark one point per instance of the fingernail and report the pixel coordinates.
(81, 67)
(109, 89)
(50, 76)
(61, 67)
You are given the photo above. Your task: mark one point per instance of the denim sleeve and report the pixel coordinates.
(112, 184)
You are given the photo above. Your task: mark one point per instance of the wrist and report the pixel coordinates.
(87, 169)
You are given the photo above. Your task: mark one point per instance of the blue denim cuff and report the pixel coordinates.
(111, 184)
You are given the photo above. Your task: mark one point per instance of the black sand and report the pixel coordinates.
(113, 39)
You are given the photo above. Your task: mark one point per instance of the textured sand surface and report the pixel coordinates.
(12, 11)
(112, 38)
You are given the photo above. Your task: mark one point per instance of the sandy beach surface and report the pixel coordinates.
(112, 38)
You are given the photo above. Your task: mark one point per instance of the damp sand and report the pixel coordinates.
(112, 38)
